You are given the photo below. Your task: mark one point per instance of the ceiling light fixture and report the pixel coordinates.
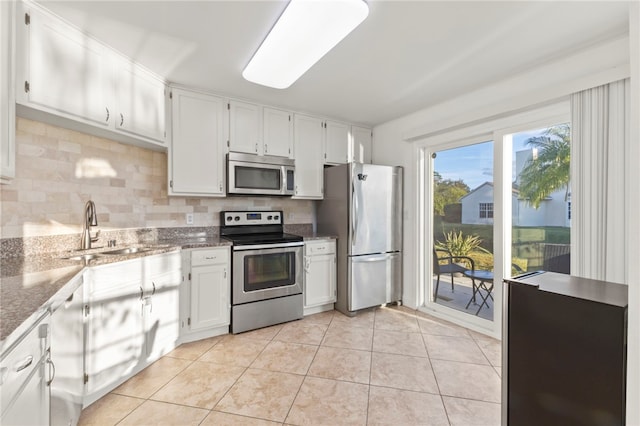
(304, 33)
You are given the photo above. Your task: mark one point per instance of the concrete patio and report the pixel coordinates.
(460, 296)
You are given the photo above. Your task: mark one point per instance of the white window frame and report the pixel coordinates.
(498, 130)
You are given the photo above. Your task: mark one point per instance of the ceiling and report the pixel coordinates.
(407, 55)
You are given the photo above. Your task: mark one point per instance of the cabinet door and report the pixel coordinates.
(7, 91)
(197, 152)
(31, 407)
(360, 145)
(210, 299)
(277, 132)
(244, 128)
(162, 314)
(320, 283)
(308, 139)
(67, 353)
(24, 373)
(65, 70)
(336, 143)
(139, 101)
(115, 338)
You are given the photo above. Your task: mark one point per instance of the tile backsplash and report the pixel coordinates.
(59, 170)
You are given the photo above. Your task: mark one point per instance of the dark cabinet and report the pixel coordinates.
(566, 351)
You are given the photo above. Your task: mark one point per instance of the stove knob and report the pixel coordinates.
(229, 218)
(237, 218)
(276, 217)
(269, 217)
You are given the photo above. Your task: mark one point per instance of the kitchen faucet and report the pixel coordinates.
(90, 219)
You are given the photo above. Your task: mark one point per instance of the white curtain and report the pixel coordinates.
(599, 142)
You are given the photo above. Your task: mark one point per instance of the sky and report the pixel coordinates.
(474, 163)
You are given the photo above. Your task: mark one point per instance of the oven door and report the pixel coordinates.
(262, 272)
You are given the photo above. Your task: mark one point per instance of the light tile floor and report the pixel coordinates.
(390, 366)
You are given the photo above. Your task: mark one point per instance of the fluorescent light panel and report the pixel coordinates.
(304, 33)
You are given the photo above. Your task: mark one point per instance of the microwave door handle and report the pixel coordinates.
(283, 180)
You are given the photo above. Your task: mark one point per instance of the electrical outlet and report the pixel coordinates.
(189, 218)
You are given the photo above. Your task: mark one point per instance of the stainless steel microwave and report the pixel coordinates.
(260, 175)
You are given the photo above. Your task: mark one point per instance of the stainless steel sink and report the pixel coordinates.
(127, 250)
(83, 257)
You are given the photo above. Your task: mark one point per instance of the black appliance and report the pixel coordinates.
(565, 351)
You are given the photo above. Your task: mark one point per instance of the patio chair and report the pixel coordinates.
(450, 266)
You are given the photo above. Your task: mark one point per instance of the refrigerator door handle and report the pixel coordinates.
(354, 214)
(386, 256)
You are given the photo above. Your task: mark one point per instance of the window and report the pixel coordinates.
(486, 210)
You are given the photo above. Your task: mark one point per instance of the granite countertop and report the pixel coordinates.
(34, 285)
(309, 236)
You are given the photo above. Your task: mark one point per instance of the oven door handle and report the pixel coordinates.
(268, 246)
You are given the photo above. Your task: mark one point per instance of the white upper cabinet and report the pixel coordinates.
(360, 145)
(336, 143)
(197, 151)
(67, 73)
(277, 132)
(309, 159)
(7, 91)
(140, 100)
(244, 127)
(62, 69)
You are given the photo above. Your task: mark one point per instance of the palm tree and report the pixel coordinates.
(549, 170)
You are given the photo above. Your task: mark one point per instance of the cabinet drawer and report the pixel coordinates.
(209, 256)
(18, 366)
(320, 247)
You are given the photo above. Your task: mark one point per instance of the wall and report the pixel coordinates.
(393, 141)
(58, 170)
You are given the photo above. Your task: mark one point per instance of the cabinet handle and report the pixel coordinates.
(154, 288)
(265, 148)
(121, 119)
(209, 257)
(107, 119)
(220, 186)
(256, 147)
(24, 364)
(141, 292)
(52, 366)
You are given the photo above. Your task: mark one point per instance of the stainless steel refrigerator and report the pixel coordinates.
(362, 206)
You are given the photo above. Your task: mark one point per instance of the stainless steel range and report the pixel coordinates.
(267, 275)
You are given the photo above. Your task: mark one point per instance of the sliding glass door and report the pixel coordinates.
(462, 238)
(541, 212)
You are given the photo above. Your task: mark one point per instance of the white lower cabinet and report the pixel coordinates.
(131, 318)
(67, 352)
(25, 375)
(207, 312)
(161, 285)
(114, 319)
(320, 276)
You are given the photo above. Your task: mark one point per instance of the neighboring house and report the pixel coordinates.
(477, 205)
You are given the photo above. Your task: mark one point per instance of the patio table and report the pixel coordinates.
(485, 279)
